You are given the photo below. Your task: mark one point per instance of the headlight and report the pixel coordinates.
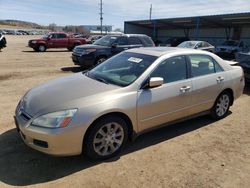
(33, 42)
(55, 119)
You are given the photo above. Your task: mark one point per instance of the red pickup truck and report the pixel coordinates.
(56, 40)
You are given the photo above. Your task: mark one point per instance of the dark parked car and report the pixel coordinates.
(175, 41)
(3, 41)
(89, 55)
(244, 61)
(199, 45)
(229, 48)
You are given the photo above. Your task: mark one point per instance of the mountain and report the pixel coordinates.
(19, 23)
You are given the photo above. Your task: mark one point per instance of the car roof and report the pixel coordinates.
(159, 51)
(129, 35)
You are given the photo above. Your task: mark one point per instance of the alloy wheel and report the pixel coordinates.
(108, 139)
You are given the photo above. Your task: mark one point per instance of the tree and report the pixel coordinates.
(118, 30)
(52, 27)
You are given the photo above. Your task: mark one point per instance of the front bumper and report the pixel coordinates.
(84, 61)
(60, 142)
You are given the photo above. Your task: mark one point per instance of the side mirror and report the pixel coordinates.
(114, 45)
(155, 82)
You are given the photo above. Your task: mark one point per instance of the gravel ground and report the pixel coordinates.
(196, 153)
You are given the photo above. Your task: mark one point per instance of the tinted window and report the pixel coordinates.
(53, 36)
(106, 40)
(134, 41)
(60, 36)
(172, 69)
(122, 41)
(203, 65)
(147, 41)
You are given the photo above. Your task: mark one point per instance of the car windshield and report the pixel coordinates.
(106, 41)
(122, 69)
(187, 44)
(230, 43)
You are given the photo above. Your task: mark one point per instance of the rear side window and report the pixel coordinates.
(61, 36)
(203, 65)
(148, 42)
(134, 41)
(122, 41)
(172, 69)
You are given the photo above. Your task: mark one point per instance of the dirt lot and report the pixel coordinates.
(195, 153)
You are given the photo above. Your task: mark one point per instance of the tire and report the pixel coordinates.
(70, 48)
(36, 49)
(100, 60)
(106, 138)
(41, 48)
(221, 106)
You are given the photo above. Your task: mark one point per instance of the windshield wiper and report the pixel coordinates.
(96, 78)
(101, 80)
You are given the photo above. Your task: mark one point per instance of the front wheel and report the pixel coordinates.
(106, 138)
(41, 48)
(221, 106)
(99, 60)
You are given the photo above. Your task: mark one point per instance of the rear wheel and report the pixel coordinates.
(221, 106)
(106, 138)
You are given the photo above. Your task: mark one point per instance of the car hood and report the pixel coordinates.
(61, 93)
(87, 46)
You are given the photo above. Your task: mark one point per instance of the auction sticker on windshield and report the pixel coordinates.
(134, 59)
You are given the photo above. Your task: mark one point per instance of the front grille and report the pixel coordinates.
(40, 143)
(25, 116)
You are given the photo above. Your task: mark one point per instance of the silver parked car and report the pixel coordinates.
(130, 93)
(199, 45)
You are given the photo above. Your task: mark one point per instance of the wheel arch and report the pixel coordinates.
(112, 114)
(230, 91)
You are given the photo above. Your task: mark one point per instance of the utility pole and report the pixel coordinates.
(150, 12)
(101, 13)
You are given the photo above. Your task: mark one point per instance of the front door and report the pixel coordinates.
(168, 102)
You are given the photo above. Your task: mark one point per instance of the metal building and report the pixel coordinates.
(213, 28)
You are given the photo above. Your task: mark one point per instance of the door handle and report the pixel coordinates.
(125, 48)
(185, 89)
(220, 79)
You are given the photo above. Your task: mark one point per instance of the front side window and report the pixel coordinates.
(106, 40)
(172, 69)
(203, 65)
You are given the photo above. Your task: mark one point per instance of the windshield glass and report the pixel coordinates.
(230, 43)
(106, 41)
(122, 69)
(187, 44)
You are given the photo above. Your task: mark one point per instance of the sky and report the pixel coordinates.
(86, 12)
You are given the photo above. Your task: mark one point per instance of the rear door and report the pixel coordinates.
(168, 102)
(207, 81)
(62, 40)
(134, 42)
